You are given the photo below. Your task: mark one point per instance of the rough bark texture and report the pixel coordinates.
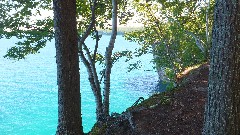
(222, 114)
(69, 112)
(108, 59)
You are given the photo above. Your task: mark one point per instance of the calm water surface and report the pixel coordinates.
(28, 89)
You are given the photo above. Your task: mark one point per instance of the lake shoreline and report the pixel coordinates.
(120, 30)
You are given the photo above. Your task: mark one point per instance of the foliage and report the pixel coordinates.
(24, 20)
(28, 22)
(17, 21)
(176, 32)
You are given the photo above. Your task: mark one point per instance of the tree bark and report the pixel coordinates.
(108, 60)
(89, 62)
(68, 78)
(222, 114)
(102, 107)
(94, 83)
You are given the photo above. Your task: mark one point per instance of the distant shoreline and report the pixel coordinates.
(121, 30)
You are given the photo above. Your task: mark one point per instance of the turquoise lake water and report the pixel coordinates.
(28, 89)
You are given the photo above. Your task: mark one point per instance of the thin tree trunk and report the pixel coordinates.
(89, 62)
(222, 114)
(69, 103)
(94, 85)
(108, 59)
(207, 20)
(207, 30)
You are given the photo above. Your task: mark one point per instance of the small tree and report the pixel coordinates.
(102, 109)
(176, 32)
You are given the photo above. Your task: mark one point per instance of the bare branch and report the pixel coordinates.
(91, 25)
(96, 46)
(199, 42)
(88, 53)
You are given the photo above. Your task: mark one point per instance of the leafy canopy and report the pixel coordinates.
(16, 20)
(31, 22)
(176, 32)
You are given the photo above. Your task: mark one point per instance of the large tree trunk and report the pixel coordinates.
(108, 59)
(69, 110)
(222, 114)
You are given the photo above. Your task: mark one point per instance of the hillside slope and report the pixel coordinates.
(176, 112)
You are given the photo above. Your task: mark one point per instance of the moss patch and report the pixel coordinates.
(98, 130)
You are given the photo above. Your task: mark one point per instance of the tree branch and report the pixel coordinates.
(96, 46)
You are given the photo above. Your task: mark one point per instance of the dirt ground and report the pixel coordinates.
(184, 115)
(180, 112)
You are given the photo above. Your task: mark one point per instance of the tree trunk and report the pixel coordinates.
(93, 79)
(89, 62)
(108, 59)
(207, 21)
(69, 103)
(222, 114)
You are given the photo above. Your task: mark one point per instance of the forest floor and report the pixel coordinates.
(176, 112)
